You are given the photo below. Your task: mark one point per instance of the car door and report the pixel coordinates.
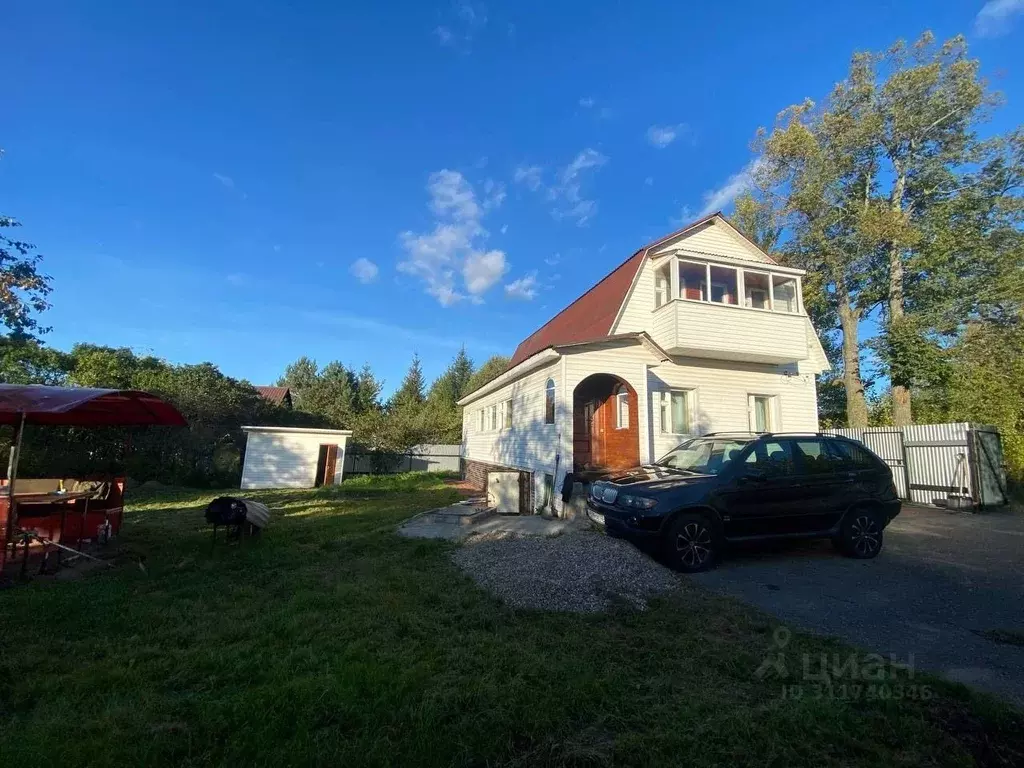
(758, 498)
(824, 484)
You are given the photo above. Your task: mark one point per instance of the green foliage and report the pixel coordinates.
(208, 452)
(490, 370)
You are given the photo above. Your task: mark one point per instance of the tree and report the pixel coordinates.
(411, 392)
(300, 377)
(23, 290)
(490, 370)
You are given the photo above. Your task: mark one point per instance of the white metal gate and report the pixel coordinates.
(932, 461)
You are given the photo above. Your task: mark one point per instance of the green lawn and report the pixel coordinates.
(332, 641)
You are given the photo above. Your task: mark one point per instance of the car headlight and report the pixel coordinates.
(637, 502)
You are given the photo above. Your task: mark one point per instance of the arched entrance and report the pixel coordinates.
(605, 425)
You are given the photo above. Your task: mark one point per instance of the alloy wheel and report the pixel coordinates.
(864, 535)
(693, 545)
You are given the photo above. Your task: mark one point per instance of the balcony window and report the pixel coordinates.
(693, 281)
(723, 285)
(663, 285)
(784, 292)
(756, 293)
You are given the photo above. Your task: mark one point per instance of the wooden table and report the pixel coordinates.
(41, 497)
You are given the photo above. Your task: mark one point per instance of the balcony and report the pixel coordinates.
(729, 332)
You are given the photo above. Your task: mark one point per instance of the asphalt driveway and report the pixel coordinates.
(941, 582)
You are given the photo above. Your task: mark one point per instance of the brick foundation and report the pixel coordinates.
(475, 474)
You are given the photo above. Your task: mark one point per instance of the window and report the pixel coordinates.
(622, 407)
(549, 402)
(693, 281)
(480, 420)
(815, 457)
(703, 455)
(760, 407)
(773, 459)
(662, 285)
(723, 286)
(506, 410)
(492, 417)
(857, 455)
(784, 291)
(675, 412)
(756, 293)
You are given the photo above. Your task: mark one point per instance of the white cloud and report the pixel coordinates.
(684, 218)
(566, 190)
(482, 270)
(734, 186)
(494, 194)
(660, 136)
(364, 270)
(587, 102)
(504, 228)
(552, 261)
(455, 245)
(465, 21)
(525, 288)
(530, 175)
(570, 203)
(994, 19)
(225, 181)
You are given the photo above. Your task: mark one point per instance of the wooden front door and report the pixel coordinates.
(583, 434)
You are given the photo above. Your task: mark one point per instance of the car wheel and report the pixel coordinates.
(692, 544)
(861, 535)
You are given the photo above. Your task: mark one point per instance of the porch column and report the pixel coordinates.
(643, 407)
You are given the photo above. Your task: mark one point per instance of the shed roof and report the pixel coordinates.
(298, 430)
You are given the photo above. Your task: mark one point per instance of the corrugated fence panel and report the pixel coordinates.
(929, 461)
(419, 458)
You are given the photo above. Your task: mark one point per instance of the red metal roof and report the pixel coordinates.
(275, 395)
(85, 407)
(590, 317)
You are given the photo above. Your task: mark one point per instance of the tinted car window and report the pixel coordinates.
(702, 455)
(857, 455)
(771, 457)
(815, 458)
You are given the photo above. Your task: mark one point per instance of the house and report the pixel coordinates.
(277, 395)
(293, 457)
(699, 331)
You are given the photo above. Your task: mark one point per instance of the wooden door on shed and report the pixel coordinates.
(326, 465)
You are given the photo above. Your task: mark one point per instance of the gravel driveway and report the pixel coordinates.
(942, 580)
(583, 571)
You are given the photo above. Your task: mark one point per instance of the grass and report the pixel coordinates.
(331, 641)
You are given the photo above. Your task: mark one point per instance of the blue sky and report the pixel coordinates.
(247, 182)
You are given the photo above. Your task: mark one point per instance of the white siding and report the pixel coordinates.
(287, 459)
(715, 237)
(721, 390)
(636, 314)
(530, 444)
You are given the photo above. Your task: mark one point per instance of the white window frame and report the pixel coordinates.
(705, 286)
(492, 417)
(663, 297)
(506, 414)
(770, 412)
(665, 409)
(796, 298)
(550, 395)
(481, 420)
(621, 405)
(743, 293)
(712, 284)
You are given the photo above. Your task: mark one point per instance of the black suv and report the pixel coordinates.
(723, 488)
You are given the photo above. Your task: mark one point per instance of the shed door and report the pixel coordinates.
(326, 464)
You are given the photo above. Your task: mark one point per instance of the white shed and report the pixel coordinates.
(293, 457)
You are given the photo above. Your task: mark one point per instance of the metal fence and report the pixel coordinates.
(932, 463)
(419, 458)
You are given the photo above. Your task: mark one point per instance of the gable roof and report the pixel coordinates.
(276, 395)
(592, 315)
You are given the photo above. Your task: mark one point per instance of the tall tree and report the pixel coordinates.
(924, 115)
(23, 290)
(412, 390)
(490, 370)
(300, 377)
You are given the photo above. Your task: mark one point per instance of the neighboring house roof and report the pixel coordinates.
(276, 395)
(593, 314)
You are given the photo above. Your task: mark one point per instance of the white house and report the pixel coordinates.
(697, 332)
(293, 457)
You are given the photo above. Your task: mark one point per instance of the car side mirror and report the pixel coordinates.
(753, 476)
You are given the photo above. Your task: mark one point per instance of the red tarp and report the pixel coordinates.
(85, 407)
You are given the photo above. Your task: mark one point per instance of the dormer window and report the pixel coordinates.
(756, 290)
(724, 285)
(693, 281)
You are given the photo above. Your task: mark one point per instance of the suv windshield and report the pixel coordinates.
(703, 455)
